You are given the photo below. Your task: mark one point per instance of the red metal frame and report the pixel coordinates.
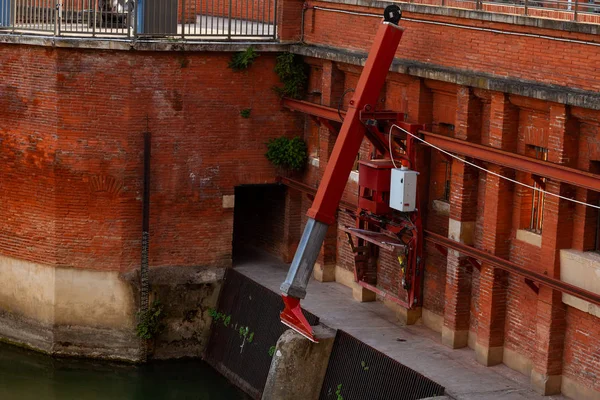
(352, 132)
(511, 267)
(518, 162)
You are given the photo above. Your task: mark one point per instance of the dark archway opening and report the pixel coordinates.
(258, 221)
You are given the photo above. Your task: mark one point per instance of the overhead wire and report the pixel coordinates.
(485, 169)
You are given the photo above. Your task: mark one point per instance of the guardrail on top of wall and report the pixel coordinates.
(206, 19)
(571, 10)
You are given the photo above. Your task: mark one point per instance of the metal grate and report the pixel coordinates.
(357, 371)
(248, 304)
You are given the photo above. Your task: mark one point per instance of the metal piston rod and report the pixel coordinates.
(328, 196)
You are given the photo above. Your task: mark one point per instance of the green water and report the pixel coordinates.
(27, 375)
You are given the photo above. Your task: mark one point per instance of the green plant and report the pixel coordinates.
(287, 153)
(150, 322)
(271, 351)
(245, 113)
(291, 70)
(338, 392)
(243, 60)
(364, 366)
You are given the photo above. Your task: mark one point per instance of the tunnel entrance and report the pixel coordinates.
(259, 221)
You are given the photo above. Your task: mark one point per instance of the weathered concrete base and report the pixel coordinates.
(432, 320)
(324, 273)
(517, 361)
(576, 390)
(187, 295)
(298, 367)
(83, 313)
(454, 339)
(472, 340)
(488, 356)
(362, 294)
(545, 384)
(403, 315)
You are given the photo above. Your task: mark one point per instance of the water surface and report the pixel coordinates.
(28, 375)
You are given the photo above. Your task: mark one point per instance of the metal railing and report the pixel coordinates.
(571, 10)
(217, 19)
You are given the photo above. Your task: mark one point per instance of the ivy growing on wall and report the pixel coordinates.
(287, 153)
(243, 60)
(150, 322)
(292, 72)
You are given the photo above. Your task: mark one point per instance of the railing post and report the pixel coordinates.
(575, 12)
(275, 19)
(95, 15)
(183, 19)
(526, 7)
(57, 18)
(229, 21)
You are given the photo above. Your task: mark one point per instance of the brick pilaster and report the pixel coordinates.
(332, 86)
(461, 226)
(292, 224)
(289, 19)
(497, 225)
(557, 234)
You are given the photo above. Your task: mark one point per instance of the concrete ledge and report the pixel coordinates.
(554, 93)
(581, 269)
(529, 237)
(140, 45)
(441, 207)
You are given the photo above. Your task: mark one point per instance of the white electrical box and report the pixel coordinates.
(403, 192)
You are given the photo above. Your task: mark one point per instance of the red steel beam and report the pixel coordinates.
(304, 188)
(506, 265)
(352, 132)
(316, 110)
(519, 162)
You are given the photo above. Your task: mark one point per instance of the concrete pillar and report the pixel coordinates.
(557, 234)
(497, 225)
(299, 366)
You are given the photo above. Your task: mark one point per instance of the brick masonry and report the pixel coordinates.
(498, 311)
(71, 158)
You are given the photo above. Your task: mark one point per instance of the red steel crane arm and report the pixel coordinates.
(322, 213)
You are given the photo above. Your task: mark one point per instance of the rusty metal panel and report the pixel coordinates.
(358, 371)
(244, 360)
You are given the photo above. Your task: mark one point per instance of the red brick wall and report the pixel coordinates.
(71, 161)
(582, 348)
(549, 61)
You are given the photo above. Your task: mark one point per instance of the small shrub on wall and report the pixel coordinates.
(287, 153)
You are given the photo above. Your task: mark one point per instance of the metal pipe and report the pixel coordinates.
(506, 265)
(144, 281)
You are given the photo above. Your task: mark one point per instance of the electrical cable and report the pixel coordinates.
(342, 102)
(490, 172)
